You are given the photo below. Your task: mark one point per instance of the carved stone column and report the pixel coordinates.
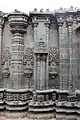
(17, 97)
(47, 25)
(69, 23)
(18, 24)
(35, 24)
(60, 30)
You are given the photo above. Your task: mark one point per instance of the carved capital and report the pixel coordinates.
(47, 22)
(60, 21)
(38, 57)
(35, 22)
(41, 57)
(69, 21)
(17, 21)
(78, 18)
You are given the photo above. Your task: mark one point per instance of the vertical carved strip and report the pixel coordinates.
(43, 72)
(69, 23)
(60, 29)
(35, 24)
(47, 25)
(41, 76)
(38, 72)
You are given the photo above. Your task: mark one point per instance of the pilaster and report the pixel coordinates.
(47, 25)
(35, 24)
(60, 31)
(69, 24)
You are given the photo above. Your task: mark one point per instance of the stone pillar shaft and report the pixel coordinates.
(35, 64)
(18, 24)
(35, 24)
(47, 25)
(70, 55)
(60, 42)
(17, 59)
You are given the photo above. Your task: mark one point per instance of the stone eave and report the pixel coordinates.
(41, 14)
(17, 13)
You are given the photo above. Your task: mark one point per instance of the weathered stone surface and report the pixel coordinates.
(40, 64)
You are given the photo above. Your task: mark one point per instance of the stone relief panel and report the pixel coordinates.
(53, 67)
(5, 65)
(28, 56)
(53, 55)
(28, 63)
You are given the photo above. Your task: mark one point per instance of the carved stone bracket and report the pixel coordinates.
(47, 22)
(35, 22)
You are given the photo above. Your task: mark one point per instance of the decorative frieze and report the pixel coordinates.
(17, 96)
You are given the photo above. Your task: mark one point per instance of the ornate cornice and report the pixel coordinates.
(18, 18)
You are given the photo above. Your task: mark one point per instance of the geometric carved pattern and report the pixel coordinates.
(16, 96)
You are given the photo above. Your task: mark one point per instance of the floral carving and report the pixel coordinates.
(53, 62)
(53, 55)
(28, 56)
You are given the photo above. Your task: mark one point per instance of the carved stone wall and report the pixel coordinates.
(39, 61)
